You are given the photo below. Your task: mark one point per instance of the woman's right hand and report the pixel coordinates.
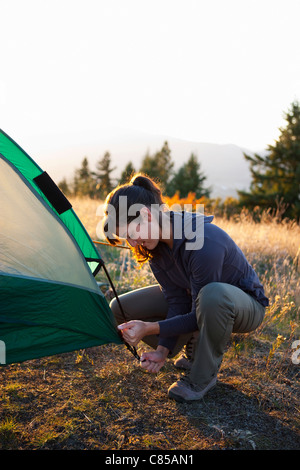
(135, 330)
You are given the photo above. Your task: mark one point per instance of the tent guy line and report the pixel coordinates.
(101, 264)
(112, 246)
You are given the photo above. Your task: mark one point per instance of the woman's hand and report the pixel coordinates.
(154, 360)
(135, 330)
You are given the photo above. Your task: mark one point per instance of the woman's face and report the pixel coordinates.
(144, 230)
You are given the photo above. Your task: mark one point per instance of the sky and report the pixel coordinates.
(207, 71)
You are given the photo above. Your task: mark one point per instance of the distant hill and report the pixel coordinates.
(224, 165)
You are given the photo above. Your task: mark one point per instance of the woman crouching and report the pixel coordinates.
(206, 289)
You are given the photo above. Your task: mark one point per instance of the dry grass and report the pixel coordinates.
(101, 399)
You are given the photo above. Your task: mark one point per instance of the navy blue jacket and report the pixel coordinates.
(182, 272)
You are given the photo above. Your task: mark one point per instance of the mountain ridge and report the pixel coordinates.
(223, 164)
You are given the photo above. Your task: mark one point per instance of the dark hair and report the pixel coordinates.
(141, 189)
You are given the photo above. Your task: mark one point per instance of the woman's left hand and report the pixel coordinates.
(133, 331)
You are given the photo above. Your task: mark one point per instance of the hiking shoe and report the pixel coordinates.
(184, 391)
(183, 362)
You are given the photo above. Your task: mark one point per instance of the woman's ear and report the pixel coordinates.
(145, 213)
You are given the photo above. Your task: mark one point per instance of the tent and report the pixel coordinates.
(50, 302)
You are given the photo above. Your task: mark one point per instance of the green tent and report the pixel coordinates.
(50, 302)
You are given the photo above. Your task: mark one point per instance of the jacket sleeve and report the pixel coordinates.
(179, 304)
(204, 266)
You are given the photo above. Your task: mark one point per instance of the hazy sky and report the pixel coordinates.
(220, 71)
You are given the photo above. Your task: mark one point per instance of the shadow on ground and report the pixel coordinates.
(238, 421)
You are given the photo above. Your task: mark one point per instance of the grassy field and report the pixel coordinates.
(100, 398)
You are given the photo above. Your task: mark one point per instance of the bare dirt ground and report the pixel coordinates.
(101, 399)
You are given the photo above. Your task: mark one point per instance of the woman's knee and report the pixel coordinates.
(215, 313)
(114, 306)
(146, 303)
(211, 296)
(212, 301)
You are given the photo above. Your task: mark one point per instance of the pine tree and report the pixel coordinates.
(127, 173)
(83, 184)
(276, 176)
(159, 166)
(64, 187)
(188, 179)
(102, 176)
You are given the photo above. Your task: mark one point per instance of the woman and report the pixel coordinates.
(206, 288)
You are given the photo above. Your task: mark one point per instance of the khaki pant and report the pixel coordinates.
(221, 309)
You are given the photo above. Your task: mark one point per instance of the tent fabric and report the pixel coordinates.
(41, 318)
(30, 170)
(49, 300)
(27, 227)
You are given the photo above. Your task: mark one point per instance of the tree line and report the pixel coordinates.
(98, 183)
(275, 177)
